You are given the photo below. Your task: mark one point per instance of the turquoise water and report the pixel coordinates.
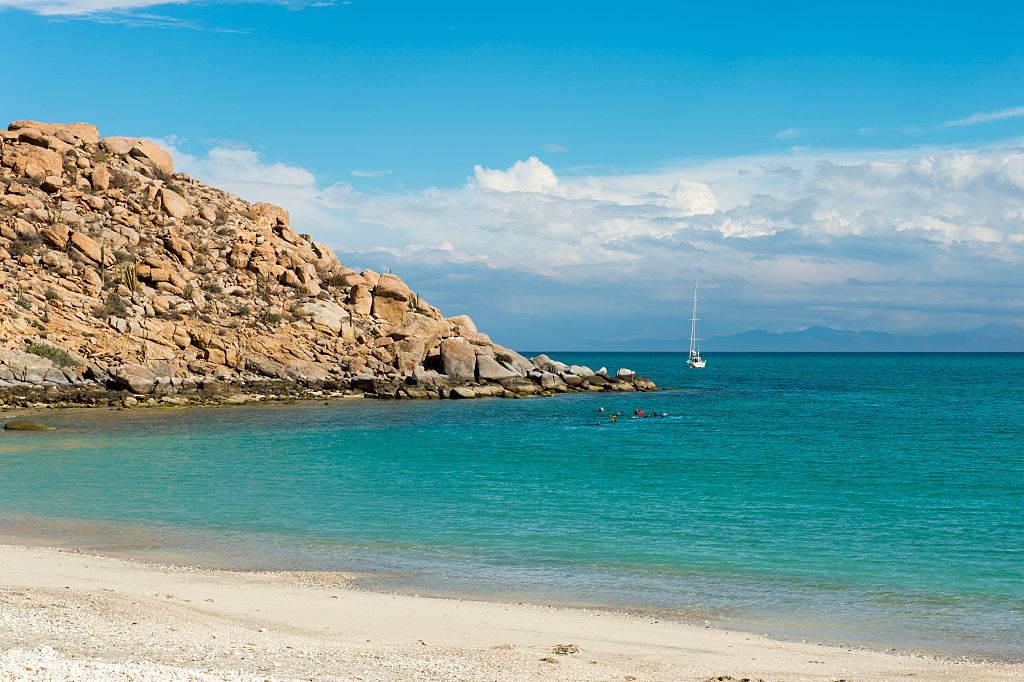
(875, 499)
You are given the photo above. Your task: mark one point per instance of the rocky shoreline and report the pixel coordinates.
(142, 390)
(124, 282)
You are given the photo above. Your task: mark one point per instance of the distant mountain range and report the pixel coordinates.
(988, 339)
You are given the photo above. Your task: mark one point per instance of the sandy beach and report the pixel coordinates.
(65, 615)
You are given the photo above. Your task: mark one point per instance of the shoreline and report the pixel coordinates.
(70, 612)
(261, 391)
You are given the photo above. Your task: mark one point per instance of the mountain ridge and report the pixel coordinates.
(992, 338)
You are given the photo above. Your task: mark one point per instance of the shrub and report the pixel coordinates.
(58, 356)
(212, 288)
(23, 302)
(24, 246)
(51, 295)
(122, 256)
(120, 179)
(272, 319)
(112, 305)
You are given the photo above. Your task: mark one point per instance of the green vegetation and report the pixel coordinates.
(112, 305)
(58, 356)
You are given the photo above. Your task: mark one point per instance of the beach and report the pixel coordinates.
(65, 615)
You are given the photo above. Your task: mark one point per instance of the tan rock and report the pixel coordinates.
(174, 204)
(464, 321)
(34, 162)
(361, 299)
(459, 359)
(391, 310)
(268, 215)
(147, 151)
(117, 145)
(86, 132)
(87, 246)
(56, 236)
(153, 154)
(392, 286)
(100, 177)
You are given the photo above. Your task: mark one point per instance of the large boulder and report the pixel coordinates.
(581, 370)
(464, 321)
(489, 369)
(87, 246)
(391, 298)
(269, 215)
(144, 150)
(459, 359)
(174, 204)
(546, 364)
(31, 161)
(83, 132)
(26, 367)
(326, 316)
(135, 378)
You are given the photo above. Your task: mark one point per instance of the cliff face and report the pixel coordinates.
(116, 273)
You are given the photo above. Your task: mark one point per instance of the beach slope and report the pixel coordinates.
(70, 616)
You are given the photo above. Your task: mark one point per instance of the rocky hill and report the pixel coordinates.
(121, 280)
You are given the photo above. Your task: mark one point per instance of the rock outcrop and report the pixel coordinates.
(123, 280)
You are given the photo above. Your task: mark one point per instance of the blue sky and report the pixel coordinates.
(564, 173)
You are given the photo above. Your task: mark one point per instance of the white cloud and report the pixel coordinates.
(788, 134)
(555, 148)
(359, 173)
(82, 7)
(987, 117)
(932, 236)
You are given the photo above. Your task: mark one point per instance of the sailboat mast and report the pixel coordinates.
(693, 323)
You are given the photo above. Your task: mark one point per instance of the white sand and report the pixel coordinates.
(70, 616)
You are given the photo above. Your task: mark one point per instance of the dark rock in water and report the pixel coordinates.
(26, 425)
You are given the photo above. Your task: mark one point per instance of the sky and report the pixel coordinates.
(563, 172)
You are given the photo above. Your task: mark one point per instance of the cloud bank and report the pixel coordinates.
(901, 240)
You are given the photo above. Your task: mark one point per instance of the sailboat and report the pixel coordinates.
(695, 361)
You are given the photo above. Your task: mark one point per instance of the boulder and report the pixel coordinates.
(625, 373)
(550, 381)
(100, 177)
(581, 370)
(361, 299)
(326, 316)
(87, 246)
(546, 364)
(117, 145)
(392, 286)
(26, 367)
(86, 132)
(489, 369)
(154, 155)
(174, 204)
(136, 378)
(459, 359)
(144, 150)
(462, 392)
(464, 321)
(392, 310)
(35, 162)
(268, 215)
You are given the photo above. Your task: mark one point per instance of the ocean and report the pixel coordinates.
(867, 499)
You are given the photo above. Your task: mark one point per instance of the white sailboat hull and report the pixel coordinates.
(696, 363)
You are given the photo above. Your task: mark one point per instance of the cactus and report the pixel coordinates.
(129, 277)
